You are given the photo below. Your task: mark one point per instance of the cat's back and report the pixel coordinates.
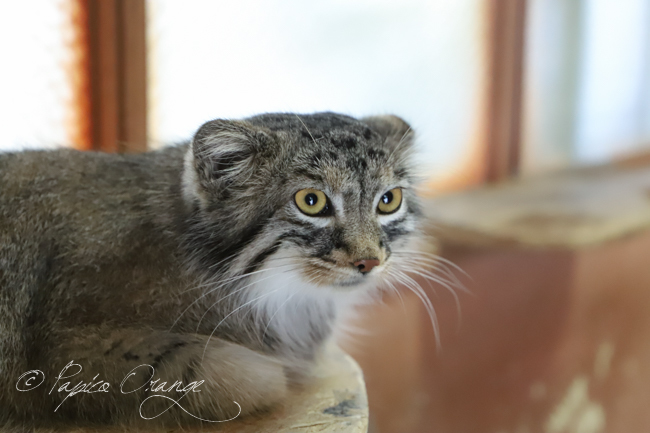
(45, 188)
(63, 174)
(81, 207)
(72, 226)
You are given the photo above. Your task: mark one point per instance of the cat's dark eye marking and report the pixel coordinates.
(390, 202)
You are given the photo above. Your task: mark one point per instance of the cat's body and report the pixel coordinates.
(195, 260)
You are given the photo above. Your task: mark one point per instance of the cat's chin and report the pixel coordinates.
(341, 280)
(357, 285)
(361, 282)
(353, 282)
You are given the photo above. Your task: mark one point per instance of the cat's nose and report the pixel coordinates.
(364, 266)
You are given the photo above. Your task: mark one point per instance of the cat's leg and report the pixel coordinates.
(158, 375)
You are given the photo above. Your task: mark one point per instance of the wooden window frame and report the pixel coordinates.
(114, 90)
(504, 101)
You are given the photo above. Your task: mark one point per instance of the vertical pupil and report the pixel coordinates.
(387, 198)
(311, 199)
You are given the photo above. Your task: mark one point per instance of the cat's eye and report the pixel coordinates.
(312, 202)
(390, 201)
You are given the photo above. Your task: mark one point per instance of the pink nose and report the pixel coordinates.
(366, 265)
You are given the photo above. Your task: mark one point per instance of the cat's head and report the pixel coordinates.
(319, 201)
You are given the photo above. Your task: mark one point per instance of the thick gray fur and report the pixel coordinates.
(192, 259)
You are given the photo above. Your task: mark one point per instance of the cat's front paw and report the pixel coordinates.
(234, 373)
(230, 381)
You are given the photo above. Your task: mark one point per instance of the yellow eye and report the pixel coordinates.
(311, 201)
(390, 201)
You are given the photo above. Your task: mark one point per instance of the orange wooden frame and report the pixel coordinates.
(504, 104)
(114, 90)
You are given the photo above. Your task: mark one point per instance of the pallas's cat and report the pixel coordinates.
(224, 262)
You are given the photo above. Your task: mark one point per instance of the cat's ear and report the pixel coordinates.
(221, 154)
(397, 134)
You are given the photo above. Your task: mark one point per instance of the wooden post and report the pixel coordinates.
(504, 94)
(118, 90)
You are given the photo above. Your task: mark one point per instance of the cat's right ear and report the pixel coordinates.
(221, 155)
(396, 133)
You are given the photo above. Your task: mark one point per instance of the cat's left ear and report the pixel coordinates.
(397, 134)
(221, 155)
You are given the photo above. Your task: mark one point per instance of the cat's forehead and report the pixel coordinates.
(338, 137)
(340, 166)
(334, 150)
(314, 126)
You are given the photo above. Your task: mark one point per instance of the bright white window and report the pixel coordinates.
(420, 59)
(587, 91)
(35, 77)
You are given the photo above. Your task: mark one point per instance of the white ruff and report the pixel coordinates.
(283, 295)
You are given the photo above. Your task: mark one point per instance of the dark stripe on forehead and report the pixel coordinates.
(344, 141)
(311, 135)
(355, 163)
(310, 175)
(400, 172)
(376, 153)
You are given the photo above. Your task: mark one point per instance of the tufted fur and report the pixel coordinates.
(193, 259)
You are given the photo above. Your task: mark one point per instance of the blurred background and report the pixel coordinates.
(499, 92)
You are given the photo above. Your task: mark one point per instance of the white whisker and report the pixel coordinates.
(230, 314)
(227, 296)
(223, 283)
(412, 285)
